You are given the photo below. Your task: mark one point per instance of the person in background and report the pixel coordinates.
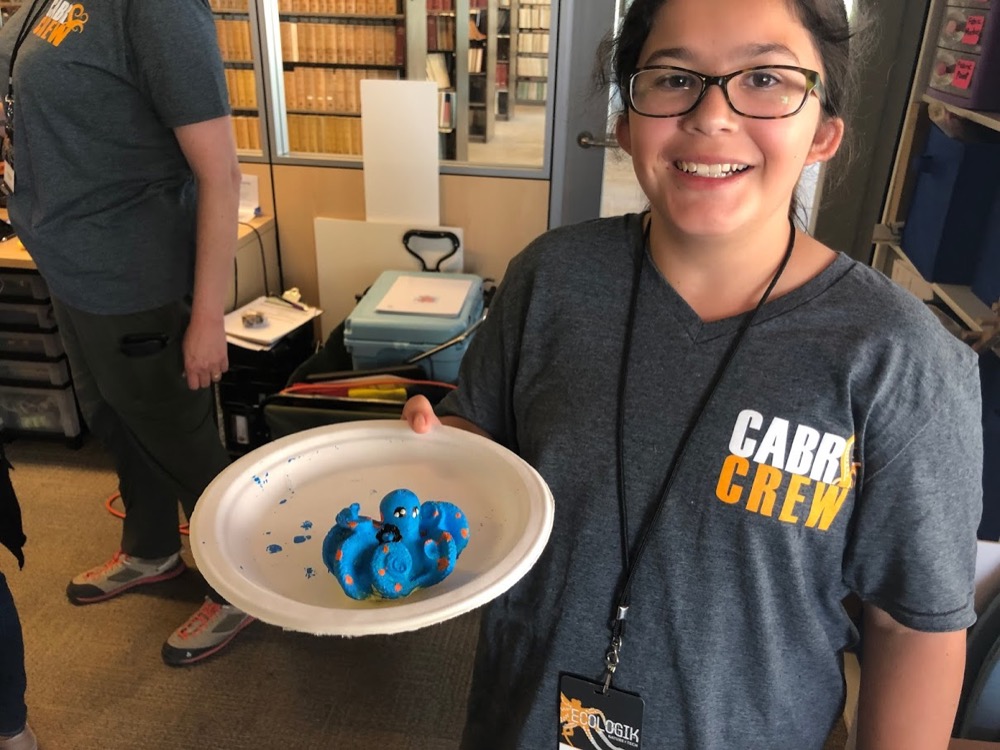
(740, 427)
(123, 186)
(15, 734)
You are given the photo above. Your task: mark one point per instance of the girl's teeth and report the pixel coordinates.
(710, 170)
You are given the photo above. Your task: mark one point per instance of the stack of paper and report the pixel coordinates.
(281, 317)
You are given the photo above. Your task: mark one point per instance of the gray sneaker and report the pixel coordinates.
(206, 632)
(23, 740)
(121, 573)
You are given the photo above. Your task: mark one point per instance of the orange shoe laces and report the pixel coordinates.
(199, 619)
(101, 570)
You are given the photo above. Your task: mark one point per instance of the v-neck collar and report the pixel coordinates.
(702, 331)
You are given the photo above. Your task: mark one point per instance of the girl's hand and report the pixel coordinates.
(419, 414)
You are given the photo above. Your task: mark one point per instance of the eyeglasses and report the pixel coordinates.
(766, 92)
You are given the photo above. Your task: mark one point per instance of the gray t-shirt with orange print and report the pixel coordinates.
(104, 199)
(841, 453)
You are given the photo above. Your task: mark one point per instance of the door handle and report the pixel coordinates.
(586, 139)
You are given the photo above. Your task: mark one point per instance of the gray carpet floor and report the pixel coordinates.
(96, 681)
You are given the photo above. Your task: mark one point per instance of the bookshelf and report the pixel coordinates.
(504, 70)
(483, 46)
(534, 19)
(327, 48)
(235, 32)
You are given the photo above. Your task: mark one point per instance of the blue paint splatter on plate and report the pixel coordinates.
(307, 525)
(310, 572)
(302, 538)
(272, 548)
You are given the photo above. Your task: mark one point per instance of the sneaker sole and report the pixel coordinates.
(165, 576)
(175, 657)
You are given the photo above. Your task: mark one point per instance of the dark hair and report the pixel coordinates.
(825, 20)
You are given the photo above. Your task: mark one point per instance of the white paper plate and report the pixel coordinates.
(257, 531)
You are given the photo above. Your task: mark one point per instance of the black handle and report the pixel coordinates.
(429, 234)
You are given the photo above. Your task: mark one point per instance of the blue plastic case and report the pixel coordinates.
(379, 339)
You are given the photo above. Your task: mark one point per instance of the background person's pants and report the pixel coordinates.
(13, 713)
(162, 435)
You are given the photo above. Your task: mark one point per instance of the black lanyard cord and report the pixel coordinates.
(622, 604)
(31, 17)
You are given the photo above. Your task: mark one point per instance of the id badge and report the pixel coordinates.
(590, 718)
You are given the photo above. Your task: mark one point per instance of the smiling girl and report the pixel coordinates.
(739, 425)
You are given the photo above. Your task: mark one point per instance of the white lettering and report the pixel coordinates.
(740, 445)
(826, 467)
(772, 445)
(800, 455)
(59, 11)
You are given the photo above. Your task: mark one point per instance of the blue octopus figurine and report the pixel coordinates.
(414, 545)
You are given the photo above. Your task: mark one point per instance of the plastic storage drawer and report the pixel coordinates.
(35, 343)
(47, 371)
(50, 410)
(22, 285)
(35, 314)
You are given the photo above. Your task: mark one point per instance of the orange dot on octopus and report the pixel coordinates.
(465, 533)
(339, 556)
(385, 549)
(446, 536)
(348, 580)
(351, 524)
(381, 571)
(398, 587)
(442, 563)
(458, 515)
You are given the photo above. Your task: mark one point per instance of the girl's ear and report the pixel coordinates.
(624, 134)
(829, 135)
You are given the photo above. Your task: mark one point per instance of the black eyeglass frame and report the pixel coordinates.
(812, 78)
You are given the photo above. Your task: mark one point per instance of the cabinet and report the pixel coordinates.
(36, 392)
(978, 318)
(534, 18)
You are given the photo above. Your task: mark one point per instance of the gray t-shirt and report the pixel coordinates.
(736, 626)
(104, 199)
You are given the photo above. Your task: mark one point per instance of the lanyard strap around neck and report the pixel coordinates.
(31, 17)
(629, 566)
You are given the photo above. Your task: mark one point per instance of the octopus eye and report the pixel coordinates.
(416, 512)
(399, 512)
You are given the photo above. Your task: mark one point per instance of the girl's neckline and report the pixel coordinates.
(702, 330)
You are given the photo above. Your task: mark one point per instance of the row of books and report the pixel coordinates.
(323, 134)
(441, 33)
(527, 42)
(477, 55)
(532, 66)
(345, 42)
(242, 86)
(229, 6)
(534, 18)
(437, 69)
(532, 91)
(247, 131)
(450, 4)
(234, 40)
(329, 89)
(340, 7)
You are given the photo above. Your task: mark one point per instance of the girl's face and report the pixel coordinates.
(716, 37)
